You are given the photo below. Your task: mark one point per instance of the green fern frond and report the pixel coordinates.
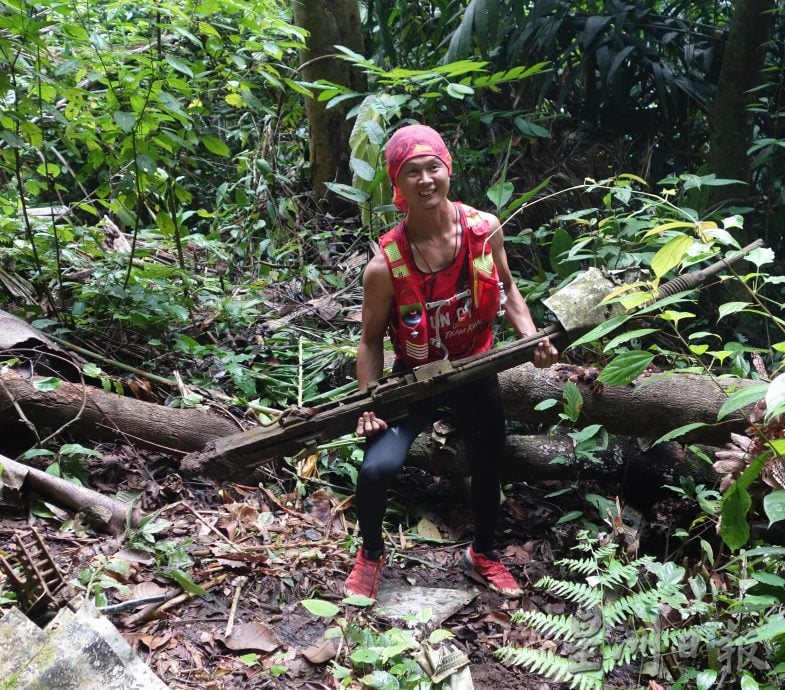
(645, 644)
(552, 666)
(596, 551)
(648, 644)
(681, 638)
(582, 566)
(549, 625)
(581, 594)
(642, 605)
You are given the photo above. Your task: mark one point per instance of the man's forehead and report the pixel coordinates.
(421, 160)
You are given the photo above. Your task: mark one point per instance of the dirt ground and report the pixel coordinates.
(260, 551)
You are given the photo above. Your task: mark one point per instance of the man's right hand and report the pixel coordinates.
(368, 424)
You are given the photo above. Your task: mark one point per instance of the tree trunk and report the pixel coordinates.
(742, 61)
(91, 413)
(646, 409)
(103, 512)
(332, 23)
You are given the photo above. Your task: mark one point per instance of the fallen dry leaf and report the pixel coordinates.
(255, 636)
(425, 528)
(319, 654)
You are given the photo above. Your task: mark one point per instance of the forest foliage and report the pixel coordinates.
(155, 204)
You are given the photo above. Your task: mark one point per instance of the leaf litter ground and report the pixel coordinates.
(261, 550)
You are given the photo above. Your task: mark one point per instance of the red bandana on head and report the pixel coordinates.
(409, 142)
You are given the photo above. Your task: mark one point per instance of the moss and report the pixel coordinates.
(9, 683)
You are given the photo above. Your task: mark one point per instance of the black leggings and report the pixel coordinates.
(479, 415)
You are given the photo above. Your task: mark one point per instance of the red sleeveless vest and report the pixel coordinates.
(448, 313)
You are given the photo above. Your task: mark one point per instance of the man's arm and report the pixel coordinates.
(516, 311)
(378, 298)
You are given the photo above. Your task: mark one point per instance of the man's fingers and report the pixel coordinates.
(545, 354)
(369, 424)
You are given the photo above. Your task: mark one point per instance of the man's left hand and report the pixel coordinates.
(545, 354)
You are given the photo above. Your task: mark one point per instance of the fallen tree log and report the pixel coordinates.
(642, 470)
(646, 409)
(104, 512)
(91, 413)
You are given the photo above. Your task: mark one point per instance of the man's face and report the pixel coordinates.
(424, 181)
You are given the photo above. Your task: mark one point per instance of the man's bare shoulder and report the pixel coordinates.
(377, 275)
(492, 220)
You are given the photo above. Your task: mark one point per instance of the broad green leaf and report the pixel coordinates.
(602, 330)
(705, 679)
(670, 225)
(545, 405)
(124, 120)
(440, 635)
(215, 145)
(722, 236)
(13, 141)
(180, 65)
(500, 193)
(363, 170)
(633, 300)
(320, 607)
(165, 223)
(774, 506)
(187, 583)
(48, 170)
(529, 129)
(364, 655)
(734, 529)
(731, 308)
(359, 600)
(48, 384)
(379, 680)
(569, 517)
(736, 503)
(760, 256)
(773, 627)
(680, 431)
(670, 256)
(459, 90)
(675, 316)
(561, 244)
(748, 395)
(36, 452)
(573, 400)
(625, 368)
(77, 449)
(586, 433)
(775, 397)
(347, 192)
(626, 337)
(91, 370)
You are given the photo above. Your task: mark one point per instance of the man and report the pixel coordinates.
(435, 287)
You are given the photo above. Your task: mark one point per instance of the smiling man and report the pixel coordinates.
(435, 288)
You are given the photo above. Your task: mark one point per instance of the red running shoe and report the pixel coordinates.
(365, 576)
(491, 573)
